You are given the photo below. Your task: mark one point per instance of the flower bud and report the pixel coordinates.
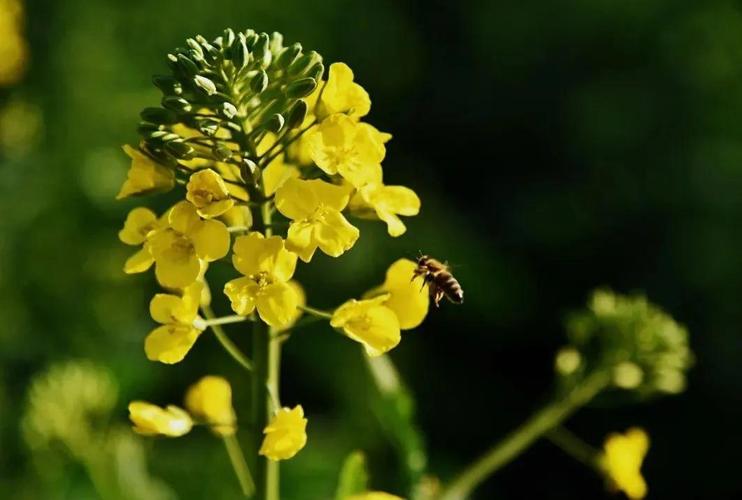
(300, 64)
(239, 53)
(297, 114)
(187, 66)
(301, 88)
(205, 84)
(229, 110)
(262, 51)
(177, 104)
(167, 84)
(179, 149)
(288, 56)
(275, 123)
(259, 82)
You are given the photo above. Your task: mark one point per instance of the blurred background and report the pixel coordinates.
(555, 149)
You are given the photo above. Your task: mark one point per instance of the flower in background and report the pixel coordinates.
(285, 435)
(622, 459)
(171, 342)
(151, 420)
(373, 495)
(369, 322)
(211, 399)
(145, 175)
(180, 248)
(314, 208)
(13, 46)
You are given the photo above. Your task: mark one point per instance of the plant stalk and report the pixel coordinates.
(521, 438)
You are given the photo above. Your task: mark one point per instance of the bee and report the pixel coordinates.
(439, 279)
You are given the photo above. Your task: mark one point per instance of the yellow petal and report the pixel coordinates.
(241, 293)
(407, 298)
(296, 199)
(211, 399)
(139, 222)
(373, 495)
(208, 192)
(150, 420)
(238, 216)
(254, 254)
(301, 300)
(367, 321)
(285, 435)
(300, 240)
(183, 217)
(139, 262)
(342, 95)
(622, 459)
(170, 343)
(210, 240)
(145, 175)
(177, 273)
(335, 234)
(276, 174)
(276, 304)
(166, 308)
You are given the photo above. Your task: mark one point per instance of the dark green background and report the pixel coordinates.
(556, 146)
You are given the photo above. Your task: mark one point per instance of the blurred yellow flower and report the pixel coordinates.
(266, 266)
(139, 223)
(171, 342)
(342, 95)
(622, 459)
(211, 399)
(238, 216)
(179, 248)
(375, 200)
(369, 322)
(208, 192)
(285, 435)
(151, 420)
(374, 495)
(145, 175)
(342, 146)
(314, 206)
(408, 298)
(13, 47)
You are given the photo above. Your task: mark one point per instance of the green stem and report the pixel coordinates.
(573, 446)
(239, 465)
(266, 354)
(224, 340)
(225, 320)
(521, 438)
(316, 312)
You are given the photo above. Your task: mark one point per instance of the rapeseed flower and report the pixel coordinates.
(171, 342)
(152, 420)
(145, 175)
(285, 435)
(369, 322)
(211, 399)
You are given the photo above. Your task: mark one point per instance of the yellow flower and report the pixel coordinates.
(301, 300)
(209, 194)
(342, 95)
(375, 200)
(285, 435)
(211, 399)
(314, 206)
(339, 145)
(170, 342)
(139, 223)
(374, 495)
(622, 460)
(179, 248)
(145, 175)
(238, 216)
(408, 298)
(276, 174)
(266, 266)
(151, 420)
(369, 322)
(13, 47)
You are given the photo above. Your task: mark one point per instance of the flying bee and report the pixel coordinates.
(439, 279)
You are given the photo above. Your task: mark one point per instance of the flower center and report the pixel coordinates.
(203, 197)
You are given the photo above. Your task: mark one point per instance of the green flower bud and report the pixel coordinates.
(301, 88)
(221, 151)
(275, 123)
(249, 171)
(317, 71)
(300, 64)
(228, 39)
(179, 149)
(259, 82)
(240, 54)
(229, 110)
(208, 126)
(288, 56)
(205, 84)
(297, 114)
(167, 84)
(197, 52)
(276, 43)
(177, 104)
(262, 52)
(187, 66)
(159, 116)
(146, 128)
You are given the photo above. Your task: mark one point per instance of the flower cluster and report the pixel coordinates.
(272, 158)
(638, 344)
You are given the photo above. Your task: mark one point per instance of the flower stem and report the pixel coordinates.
(316, 312)
(267, 357)
(521, 438)
(224, 340)
(573, 446)
(224, 320)
(239, 465)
